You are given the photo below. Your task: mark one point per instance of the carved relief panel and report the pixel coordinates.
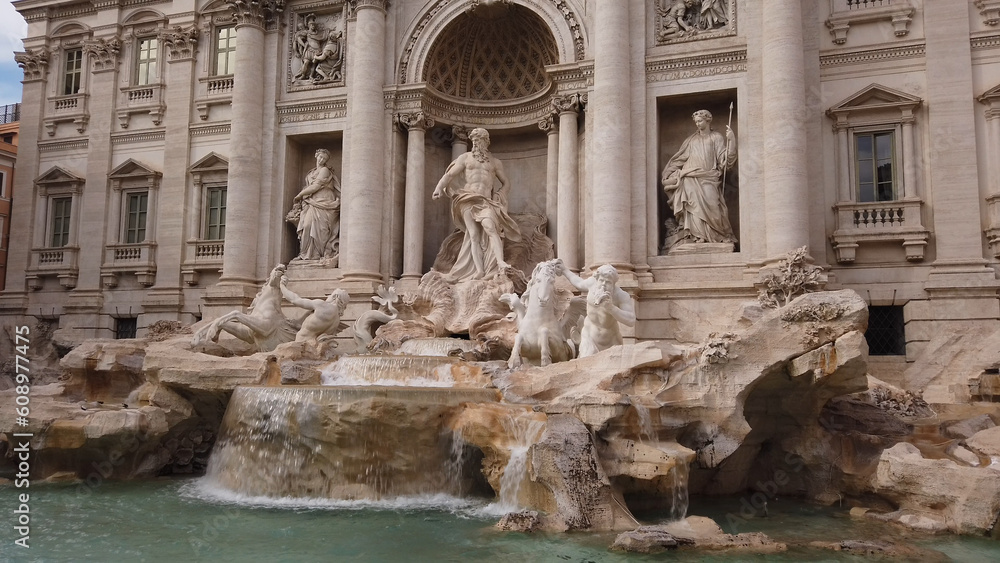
(316, 43)
(678, 21)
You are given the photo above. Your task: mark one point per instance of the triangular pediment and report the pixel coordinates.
(132, 168)
(211, 162)
(875, 97)
(991, 94)
(58, 175)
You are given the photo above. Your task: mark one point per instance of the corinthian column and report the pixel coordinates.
(786, 203)
(551, 172)
(612, 201)
(413, 218)
(361, 241)
(246, 144)
(459, 141)
(568, 188)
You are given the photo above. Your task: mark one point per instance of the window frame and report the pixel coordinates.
(142, 216)
(217, 51)
(207, 226)
(3, 184)
(66, 231)
(151, 74)
(66, 73)
(896, 158)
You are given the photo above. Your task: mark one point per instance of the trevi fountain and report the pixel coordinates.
(500, 406)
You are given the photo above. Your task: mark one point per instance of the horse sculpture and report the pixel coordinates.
(542, 332)
(263, 325)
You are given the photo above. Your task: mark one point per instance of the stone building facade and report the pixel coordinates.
(9, 115)
(165, 140)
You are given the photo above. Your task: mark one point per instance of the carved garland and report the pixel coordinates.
(35, 64)
(561, 5)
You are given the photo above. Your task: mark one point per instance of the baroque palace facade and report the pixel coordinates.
(163, 143)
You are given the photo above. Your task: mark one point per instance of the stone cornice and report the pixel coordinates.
(212, 129)
(661, 69)
(985, 42)
(312, 111)
(63, 145)
(143, 137)
(873, 55)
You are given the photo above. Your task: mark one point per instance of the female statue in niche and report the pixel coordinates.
(316, 213)
(692, 181)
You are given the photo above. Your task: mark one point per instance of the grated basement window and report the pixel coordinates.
(126, 328)
(885, 334)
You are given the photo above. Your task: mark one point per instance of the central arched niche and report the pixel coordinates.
(494, 53)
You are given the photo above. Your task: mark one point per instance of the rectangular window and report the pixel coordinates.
(3, 235)
(225, 50)
(886, 335)
(874, 157)
(3, 184)
(73, 71)
(61, 208)
(215, 214)
(135, 223)
(147, 62)
(126, 328)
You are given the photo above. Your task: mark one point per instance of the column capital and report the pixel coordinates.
(103, 53)
(256, 13)
(549, 124)
(570, 103)
(355, 5)
(181, 43)
(416, 120)
(34, 63)
(459, 134)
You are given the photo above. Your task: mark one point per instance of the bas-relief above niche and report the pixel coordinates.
(679, 21)
(316, 43)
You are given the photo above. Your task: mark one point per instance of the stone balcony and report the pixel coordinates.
(845, 13)
(213, 91)
(141, 99)
(59, 262)
(62, 109)
(890, 221)
(138, 259)
(203, 256)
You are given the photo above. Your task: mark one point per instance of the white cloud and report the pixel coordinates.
(12, 29)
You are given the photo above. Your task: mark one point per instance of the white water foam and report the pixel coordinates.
(206, 490)
(330, 377)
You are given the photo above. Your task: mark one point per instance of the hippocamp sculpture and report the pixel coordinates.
(263, 325)
(541, 332)
(369, 321)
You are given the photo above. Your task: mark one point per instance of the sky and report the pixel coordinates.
(12, 30)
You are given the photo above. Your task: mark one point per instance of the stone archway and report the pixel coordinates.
(562, 22)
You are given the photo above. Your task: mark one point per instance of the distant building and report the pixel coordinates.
(164, 142)
(9, 117)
